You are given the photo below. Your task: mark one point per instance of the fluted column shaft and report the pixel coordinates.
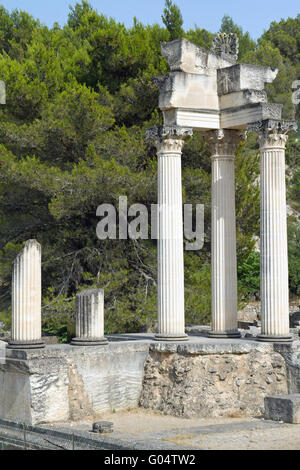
(274, 251)
(223, 145)
(170, 243)
(90, 318)
(171, 321)
(26, 298)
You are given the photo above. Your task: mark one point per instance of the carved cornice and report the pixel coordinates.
(224, 142)
(272, 133)
(168, 139)
(273, 125)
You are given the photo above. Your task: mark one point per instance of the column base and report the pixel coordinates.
(89, 342)
(171, 338)
(275, 339)
(38, 344)
(224, 334)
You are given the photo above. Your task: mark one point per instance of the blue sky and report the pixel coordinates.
(254, 15)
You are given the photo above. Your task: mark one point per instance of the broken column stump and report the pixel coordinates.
(90, 318)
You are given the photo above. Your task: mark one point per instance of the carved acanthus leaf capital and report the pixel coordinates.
(224, 142)
(168, 139)
(276, 140)
(272, 133)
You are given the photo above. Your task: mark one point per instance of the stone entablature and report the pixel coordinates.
(207, 90)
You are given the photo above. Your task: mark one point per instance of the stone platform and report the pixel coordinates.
(201, 377)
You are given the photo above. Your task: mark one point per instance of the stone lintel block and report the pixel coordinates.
(196, 119)
(244, 76)
(239, 117)
(284, 408)
(241, 98)
(182, 55)
(242, 116)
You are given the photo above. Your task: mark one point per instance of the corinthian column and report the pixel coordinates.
(169, 143)
(274, 252)
(26, 298)
(223, 144)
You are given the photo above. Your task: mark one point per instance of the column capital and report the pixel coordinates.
(168, 139)
(272, 133)
(224, 142)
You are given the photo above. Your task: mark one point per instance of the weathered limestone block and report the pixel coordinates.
(243, 77)
(213, 379)
(62, 383)
(26, 298)
(187, 90)
(237, 117)
(241, 98)
(185, 56)
(284, 408)
(90, 318)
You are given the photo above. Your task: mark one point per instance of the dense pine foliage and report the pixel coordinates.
(79, 98)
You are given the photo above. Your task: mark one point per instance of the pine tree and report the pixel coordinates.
(172, 19)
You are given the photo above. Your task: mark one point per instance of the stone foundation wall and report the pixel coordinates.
(220, 379)
(203, 377)
(65, 383)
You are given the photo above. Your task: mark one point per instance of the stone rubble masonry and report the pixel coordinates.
(26, 298)
(90, 318)
(284, 408)
(218, 379)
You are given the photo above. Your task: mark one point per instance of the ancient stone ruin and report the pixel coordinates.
(207, 374)
(209, 92)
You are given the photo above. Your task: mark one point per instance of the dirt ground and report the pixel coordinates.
(230, 433)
